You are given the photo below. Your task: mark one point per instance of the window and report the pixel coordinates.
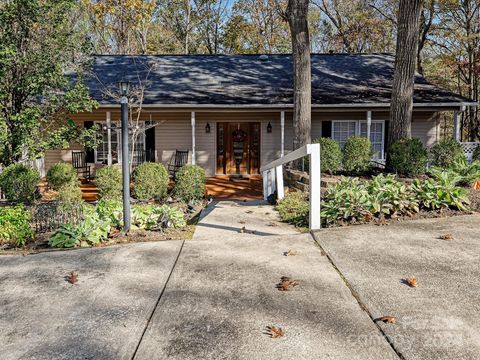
(101, 152)
(343, 129)
(376, 137)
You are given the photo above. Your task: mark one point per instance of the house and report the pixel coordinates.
(234, 112)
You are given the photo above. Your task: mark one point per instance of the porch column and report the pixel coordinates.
(193, 137)
(369, 123)
(109, 138)
(282, 133)
(456, 125)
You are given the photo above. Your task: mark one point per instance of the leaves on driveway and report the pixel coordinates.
(410, 281)
(387, 319)
(286, 284)
(72, 277)
(290, 252)
(274, 332)
(448, 237)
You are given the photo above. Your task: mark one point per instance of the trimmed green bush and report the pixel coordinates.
(294, 208)
(150, 181)
(331, 155)
(61, 174)
(445, 153)
(108, 181)
(190, 183)
(19, 183)
(357, 154)
(476, 154)
(14, 225)
(69, 196)
(408, 157)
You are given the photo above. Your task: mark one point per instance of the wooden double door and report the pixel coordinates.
(238, 148)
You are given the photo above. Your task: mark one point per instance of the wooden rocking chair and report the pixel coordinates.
(179, 159)
(80, 164)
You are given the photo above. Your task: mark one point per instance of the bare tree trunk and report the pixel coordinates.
(404, 77)
(297, 15)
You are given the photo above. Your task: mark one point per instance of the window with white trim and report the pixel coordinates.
(101, 152)
(343, 129)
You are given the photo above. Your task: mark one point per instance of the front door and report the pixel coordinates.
(238, 148)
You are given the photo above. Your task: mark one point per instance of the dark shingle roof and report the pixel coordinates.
(256, 79)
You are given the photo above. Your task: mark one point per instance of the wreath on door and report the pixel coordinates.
(239, 135)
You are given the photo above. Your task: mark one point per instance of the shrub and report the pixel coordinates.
(330, 155)
(357, 154)
(69, 196)
(408, 157)
(476, 154)
(190, 183)
(465, 172)
(108, 181)
(150, 181)
(61, 174)
(445, 153)
(294, 208)
(14, 225)
(19, 183)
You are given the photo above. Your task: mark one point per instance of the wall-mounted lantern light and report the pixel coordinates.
(207, 128)
(269, 128)
(124, 87)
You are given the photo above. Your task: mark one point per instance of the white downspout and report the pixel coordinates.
(193, 137)
(109, 138)
(282, 133)
(369, 123)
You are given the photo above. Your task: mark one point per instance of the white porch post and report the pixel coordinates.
(456, 125)
(369, 123)
(282, 133)
(193, 137)
(109, 138)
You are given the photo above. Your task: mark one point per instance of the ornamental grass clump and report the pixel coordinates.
(190, 183)
(150, 181)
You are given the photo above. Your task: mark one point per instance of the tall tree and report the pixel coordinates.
(404, 76)
(37, 48)
(297, 16)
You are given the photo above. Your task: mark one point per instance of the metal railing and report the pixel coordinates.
(273, 179)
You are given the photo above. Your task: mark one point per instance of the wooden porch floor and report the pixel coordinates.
(218, 187)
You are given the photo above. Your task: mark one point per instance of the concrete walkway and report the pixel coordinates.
(222, 295)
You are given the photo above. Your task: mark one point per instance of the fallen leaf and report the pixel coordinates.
(290, 252)
(274, 332)
(286, 284)
(273, 224)
(248, 211)
(381, 221)
(476, 185)
(367, 217)
(72, 278)
(447, 237)
(411, 281)
(387, 319)
(242, 230)
(241, 222)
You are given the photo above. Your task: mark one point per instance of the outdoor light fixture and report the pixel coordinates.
(269, 128)
(207, 128)
(124, 87)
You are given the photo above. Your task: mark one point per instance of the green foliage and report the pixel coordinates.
(36, 47)
(190, 183)
(467, 173)
(331, 155)
(69, 197)
(445, 153)
(19, 183)
(408, 157)
(294, 208)
(441, 192)
(357, 154)
(14, 225)
(150, 181)
(61, 174)
(107, 215)
(108, 181)
(476, 154)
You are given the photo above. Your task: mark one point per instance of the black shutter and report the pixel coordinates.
(326, 129)
(150, 143)
(385, 140)
(89, 153)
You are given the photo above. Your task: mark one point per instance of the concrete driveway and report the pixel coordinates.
(440, 319)
(103, 316)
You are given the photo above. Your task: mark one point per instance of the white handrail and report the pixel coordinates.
(273, 179)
